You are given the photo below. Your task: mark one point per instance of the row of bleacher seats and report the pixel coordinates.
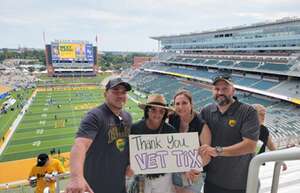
(269, 66)
(74, 74)
(275, 67)
(247, 64)
(239, 80)
(13, 77)
(155, 83)
(289, 88)
(282, 118)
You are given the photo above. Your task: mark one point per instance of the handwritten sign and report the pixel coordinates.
(164, 153)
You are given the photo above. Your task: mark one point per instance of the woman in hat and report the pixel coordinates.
(185, 119)
(155, 113)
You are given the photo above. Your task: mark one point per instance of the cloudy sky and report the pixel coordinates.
(126, 25)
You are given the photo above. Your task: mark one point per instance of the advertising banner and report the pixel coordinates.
(72, 51)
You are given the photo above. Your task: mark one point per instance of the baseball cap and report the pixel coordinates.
(42, 159)
(117, 81)
(224, 77)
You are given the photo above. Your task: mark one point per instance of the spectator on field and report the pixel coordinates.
(185, 119)
(42, 175)
(265, 138)
(100, 155)
(235, 130)
(52, 151)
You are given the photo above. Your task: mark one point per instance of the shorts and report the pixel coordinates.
(162, 184)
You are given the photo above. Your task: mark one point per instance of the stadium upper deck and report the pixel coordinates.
(264, 51)
(281, 35)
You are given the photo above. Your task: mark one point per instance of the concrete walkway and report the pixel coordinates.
(289, 180)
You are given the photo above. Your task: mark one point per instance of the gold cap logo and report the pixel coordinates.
(232, 122)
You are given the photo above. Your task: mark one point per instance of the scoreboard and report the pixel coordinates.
(71, 58)
(71, 52)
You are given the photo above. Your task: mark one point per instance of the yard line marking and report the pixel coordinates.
(36, 143)
(40, 131)
(42, 122)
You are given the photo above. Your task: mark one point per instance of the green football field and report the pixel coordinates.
(52, 120)
(6, 119)
(44, 79)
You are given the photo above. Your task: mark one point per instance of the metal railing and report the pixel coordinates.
(23, 186)
(252, 184)
(274, 156)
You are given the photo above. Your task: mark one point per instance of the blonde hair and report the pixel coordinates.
(259, 107)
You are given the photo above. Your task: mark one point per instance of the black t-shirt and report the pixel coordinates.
(263, 136)
(108, 156)
(141, 128)
(194, 126)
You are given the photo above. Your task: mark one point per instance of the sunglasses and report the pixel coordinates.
(223, 76)
(157, 110)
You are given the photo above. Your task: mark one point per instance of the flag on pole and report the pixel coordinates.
(44, 37)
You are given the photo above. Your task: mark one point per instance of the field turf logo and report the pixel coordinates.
(232, 122)
(120, 144)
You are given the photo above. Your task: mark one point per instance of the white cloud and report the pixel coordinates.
(127, 24)
(13, 21)
(111, 17)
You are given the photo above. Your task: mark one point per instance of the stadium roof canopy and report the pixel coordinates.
(234, 28)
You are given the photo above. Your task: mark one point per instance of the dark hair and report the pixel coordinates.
(42, 159)
(146, 115)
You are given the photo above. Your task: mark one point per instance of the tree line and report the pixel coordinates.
(26, 54)
(106, 61)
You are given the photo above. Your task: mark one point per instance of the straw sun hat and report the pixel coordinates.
(156, 100)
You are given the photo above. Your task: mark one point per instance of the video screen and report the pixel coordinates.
(72, 51)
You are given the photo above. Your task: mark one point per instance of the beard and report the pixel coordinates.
(222, 100)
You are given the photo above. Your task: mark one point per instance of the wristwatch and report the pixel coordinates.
(219, 150)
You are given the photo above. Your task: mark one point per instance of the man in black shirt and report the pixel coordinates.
(235, 129)
(100, 155)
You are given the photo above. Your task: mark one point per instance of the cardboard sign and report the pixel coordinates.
(164, 153)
